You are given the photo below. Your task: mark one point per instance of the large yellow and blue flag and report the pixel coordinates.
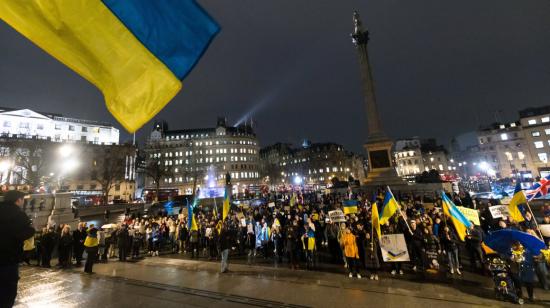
(460, 222)
(191, 221)
(350, 206)
(226, 202)
(518, 199)
(136, 52)
(389, 207)
(375, 219)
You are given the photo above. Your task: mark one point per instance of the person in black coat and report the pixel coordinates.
(65, 247)
(227, 238)
(15, 228)
(123, 243)
(473, 244)
(79, 236)
(47, 245)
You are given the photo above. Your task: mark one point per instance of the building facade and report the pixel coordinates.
(201, 157)
(312, 164)
(25, 123)
(94, 173)
(414, 156)
(504, 152)
(535, 123)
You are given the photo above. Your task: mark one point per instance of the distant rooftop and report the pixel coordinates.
(534, 111)
(60, 117)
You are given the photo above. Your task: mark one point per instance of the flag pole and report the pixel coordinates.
(400, 212)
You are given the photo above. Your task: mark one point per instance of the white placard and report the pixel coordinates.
(337, 216)
(394, 248)
(499, 211)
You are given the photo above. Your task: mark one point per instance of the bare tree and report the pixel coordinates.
(157, 172)
(30, 160)
(110, 170)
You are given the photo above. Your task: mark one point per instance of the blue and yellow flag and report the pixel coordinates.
(191, 221)
(518, 199)
(460, 222)
(376, 219)
(389, 207)
(136, 52)
(350, 206)
(293, 199)
(226, 203)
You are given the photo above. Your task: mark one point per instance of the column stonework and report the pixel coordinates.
(378, 146)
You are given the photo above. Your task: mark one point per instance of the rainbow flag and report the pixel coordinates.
(226, 203)
(460, 222)
(518, 199)
(135, 52)
(389, 207)
(350, 206)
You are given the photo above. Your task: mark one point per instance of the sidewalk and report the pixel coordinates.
(309, 288)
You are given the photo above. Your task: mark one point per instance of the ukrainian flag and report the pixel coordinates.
(517, 199)
(376, 220)
(460, 222)
(293, 199)
(350, 206)
(136, 52)
(389, 207)
(191, 221)
(226, 203)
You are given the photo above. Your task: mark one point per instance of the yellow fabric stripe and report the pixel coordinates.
(87, 37)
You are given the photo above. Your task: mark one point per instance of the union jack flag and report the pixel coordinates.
(539, 189)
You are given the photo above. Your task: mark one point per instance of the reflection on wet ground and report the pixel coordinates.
(176, 282)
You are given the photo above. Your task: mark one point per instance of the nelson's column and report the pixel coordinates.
(378, 145)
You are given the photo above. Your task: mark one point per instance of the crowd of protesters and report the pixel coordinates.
(293, 230)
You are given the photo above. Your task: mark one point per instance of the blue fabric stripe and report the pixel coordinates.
(455, 213)
(177, 32)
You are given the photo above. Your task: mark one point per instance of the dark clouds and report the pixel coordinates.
(441, 68)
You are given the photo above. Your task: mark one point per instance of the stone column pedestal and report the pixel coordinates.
(62, 211)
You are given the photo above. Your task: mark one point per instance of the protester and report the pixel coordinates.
(351, 252)
(15, 228)
(91, 245)
(65, 247)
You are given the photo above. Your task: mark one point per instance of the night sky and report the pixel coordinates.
(441, 68)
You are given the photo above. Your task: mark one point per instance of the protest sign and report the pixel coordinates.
(336, 216)
(470, 214)
(394, 248)
(499, 211)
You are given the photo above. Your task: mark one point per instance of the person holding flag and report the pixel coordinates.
(193, 229)
(371, 244)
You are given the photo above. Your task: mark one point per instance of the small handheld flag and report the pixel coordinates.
(389, 207)
(458, 219)
(350, 206)
(518, 199)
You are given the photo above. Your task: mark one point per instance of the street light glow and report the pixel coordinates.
(69, 165)
(65, 150)
(298, 180)
(5, 165)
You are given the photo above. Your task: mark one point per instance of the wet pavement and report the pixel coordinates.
(169, 282)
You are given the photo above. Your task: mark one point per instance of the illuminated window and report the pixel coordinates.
(543, 157)
(545, 120)
(521, 155)
(509, 156)
(539, 144)
(532, 122)
(503, 136)
(512, 124)
(535, 134)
